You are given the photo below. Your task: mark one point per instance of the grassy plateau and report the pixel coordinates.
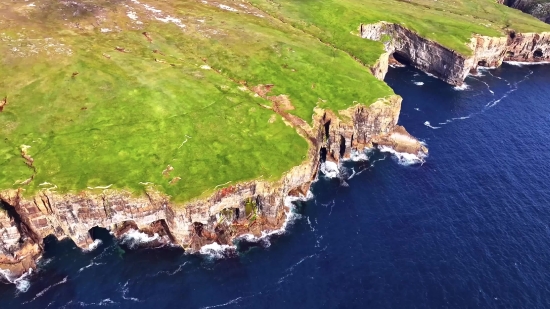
(124, 94)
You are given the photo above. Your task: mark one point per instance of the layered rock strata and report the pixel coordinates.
(449, 65)
(246, 208)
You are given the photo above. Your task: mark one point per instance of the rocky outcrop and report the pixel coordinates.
(18, 250)
(538, 8)
(250, 207)
(352, 130)
(449, 65)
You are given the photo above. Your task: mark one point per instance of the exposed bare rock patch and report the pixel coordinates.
(167, 170)
(3, 103)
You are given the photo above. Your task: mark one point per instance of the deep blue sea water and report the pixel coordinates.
(467, 229)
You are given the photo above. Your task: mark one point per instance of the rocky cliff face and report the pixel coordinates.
(538, 8)
(247, 208)
(18, 250)
(448, 65)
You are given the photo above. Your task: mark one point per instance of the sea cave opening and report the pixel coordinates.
(323, 154)
(538, 53)
(401, 57)
(342, 146)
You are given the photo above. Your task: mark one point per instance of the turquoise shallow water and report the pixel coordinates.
(466, 229)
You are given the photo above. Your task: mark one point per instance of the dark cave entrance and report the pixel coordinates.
(323, 154)
(538, 53)
(342, 146)
(401, 58)
(482, 63)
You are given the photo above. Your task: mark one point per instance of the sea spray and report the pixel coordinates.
(134, 239)
(93, 245)
(216, 251)
(22, 283)
(291, 216)
(461, 87)
(404, 158)
(329, 169)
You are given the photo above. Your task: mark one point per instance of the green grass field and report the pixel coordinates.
(97, 117)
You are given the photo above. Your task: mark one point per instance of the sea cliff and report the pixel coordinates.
(252, 207)
(449, 65)
(200, 108)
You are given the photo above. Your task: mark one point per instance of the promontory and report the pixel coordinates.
(199, 120)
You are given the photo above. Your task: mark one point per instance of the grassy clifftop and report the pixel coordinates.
(122, 94)
(448, 22)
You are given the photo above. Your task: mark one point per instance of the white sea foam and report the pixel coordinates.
(291, 216)
(125, 291)
(487, 85)
(22, 283)
(89, 265)
(93, 245)
(356, 156)
(419, 83)
(403, 158)
(215, 250)
(233, 301)
(430, 74)
(397, 65)
(520, 63)
(417, 109)
(428, 124)
(39, 294)
(134, 238)
(289, 271)
(461, 87)
(329, 169)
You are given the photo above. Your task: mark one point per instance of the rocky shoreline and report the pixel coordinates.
(448, 65)
(249, 208)
(258, 206)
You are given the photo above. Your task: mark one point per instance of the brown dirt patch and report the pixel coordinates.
(263, 90)
(3, 103)
(167, 171)
(281, 102)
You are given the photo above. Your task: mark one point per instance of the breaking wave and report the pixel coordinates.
(291, 216)
(428, 124)
(134, 238)
(461, 87)
(215, 250)
(93, 245)
(403, 158)
(357, 156)
(22, 283)
(329, 169)
(419, 83)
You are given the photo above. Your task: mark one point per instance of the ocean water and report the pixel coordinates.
(469, 228)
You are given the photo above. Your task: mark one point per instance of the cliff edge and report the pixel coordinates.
(198, 121)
